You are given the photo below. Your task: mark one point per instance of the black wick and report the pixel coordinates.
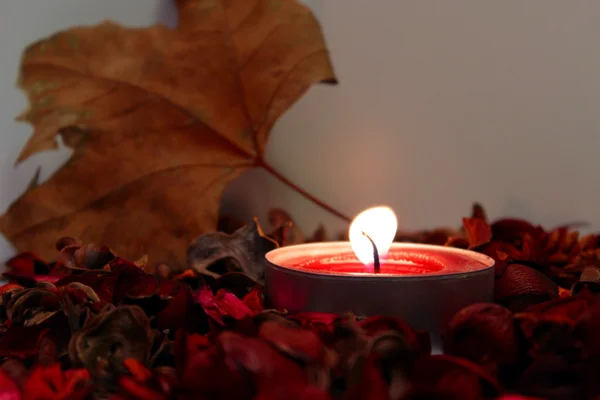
(375, 254)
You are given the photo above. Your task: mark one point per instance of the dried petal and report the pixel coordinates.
(286, 230)
(521, 286)
(223, 305)
(86, 257)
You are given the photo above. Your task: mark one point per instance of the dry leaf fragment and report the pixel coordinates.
(217, 253)
(160, 120)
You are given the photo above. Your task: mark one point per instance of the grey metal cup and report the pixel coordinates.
(426, 302)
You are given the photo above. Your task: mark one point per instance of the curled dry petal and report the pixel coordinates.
(110, 337)
(86, 257)
(215, 254)
(521, 286)
(286, 232)
(223, 305)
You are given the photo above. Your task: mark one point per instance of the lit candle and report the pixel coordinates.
(423, 284)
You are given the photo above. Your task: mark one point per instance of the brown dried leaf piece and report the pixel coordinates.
(110, 337)
(160, 120)
(217, 253)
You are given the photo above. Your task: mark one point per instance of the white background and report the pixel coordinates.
(440, 103)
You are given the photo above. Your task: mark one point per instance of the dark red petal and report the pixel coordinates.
(224, 304)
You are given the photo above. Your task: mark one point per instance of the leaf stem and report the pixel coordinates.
(271, 170)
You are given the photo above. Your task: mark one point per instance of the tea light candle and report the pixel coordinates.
(423, 284)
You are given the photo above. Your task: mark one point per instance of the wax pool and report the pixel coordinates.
(395, 263)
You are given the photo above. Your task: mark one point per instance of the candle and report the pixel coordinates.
(423, 284)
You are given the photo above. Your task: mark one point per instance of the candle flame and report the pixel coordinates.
(380, 224)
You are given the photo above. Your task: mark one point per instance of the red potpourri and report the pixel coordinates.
(91, 325)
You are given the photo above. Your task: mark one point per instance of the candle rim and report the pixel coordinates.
(484, 262)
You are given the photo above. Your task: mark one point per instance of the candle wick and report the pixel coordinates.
(376, 264)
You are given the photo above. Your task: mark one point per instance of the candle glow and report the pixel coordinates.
(380, 224)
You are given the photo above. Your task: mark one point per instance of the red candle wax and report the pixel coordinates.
(396, 262)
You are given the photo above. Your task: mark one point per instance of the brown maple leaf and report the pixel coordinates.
(160, 120)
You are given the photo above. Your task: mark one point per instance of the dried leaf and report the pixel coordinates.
(110, 337)
(215, 254)
(160, 120)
